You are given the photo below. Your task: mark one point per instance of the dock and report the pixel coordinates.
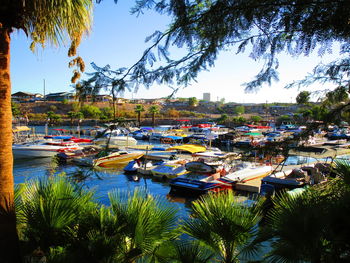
(252, 186)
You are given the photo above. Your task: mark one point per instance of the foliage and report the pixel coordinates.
(46, 23)
(223, 118)
(15, 109)
(107, 113)
(53, 118)
(223, 224)
(37, 116)
(48, 210)
(139, 108)
(75, 116)
(75, 106)
(53, 108)
(340, 94)
(153, 110)
(239, 120)
(255, 119)
(147, 223)
(239, 110)
(90, 111)
(62, 222)
(269, 27)
(172, 113)
(303, 97)
(319, 215)
(283, 118)
(192, 101)
(188, 251)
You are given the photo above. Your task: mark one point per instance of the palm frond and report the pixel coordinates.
(223, 223)
(147, 222)
(50, 209)
(342, 169)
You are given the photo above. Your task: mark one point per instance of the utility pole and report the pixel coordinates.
(44, 91)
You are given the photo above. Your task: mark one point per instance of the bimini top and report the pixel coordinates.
(20, 129)
(192, 148)
(319, 151)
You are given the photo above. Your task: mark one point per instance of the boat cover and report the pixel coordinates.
(192, 148)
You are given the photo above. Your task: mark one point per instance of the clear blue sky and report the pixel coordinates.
(117, 39)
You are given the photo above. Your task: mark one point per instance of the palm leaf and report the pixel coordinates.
(50, 209)
(223, 223)
(147, 222)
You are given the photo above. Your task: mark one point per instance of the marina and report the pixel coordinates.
(174, 131)
(175, 172)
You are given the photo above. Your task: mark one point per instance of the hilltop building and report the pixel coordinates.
(26, 97)
(60, 96)
(206, 96)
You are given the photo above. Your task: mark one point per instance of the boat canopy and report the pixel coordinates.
(253, 134)
(192, 148)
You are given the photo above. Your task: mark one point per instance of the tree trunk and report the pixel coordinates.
(139, 118)
(8, 233)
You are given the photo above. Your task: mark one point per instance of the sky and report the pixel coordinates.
(118, 39)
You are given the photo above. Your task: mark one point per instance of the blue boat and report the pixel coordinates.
(132, 167)
(189, 186)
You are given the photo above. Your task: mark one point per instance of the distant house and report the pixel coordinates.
(99, 98)
(60, 96)
(103, 98)
(26, 96)
(147, 101)
(137, 101)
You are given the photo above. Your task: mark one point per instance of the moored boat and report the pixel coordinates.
(119, 140)
(42, 149)
(117, 158)
(304, 166)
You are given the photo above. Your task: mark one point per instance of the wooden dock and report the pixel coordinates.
(252, 186)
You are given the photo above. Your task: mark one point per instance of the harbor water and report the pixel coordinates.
(102, 181)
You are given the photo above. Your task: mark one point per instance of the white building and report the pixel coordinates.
(206, 96)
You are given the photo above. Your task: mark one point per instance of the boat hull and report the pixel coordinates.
(33, 153)
(116, 160)
(169, 171)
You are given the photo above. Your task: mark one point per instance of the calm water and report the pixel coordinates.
(102, 182)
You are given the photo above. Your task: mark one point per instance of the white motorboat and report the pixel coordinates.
(42, 149)
(245, 171)
(169, 170)
(116, 140)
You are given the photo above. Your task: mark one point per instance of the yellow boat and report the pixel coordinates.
(192, 148)
(116, 158)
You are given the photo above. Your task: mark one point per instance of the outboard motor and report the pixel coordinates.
(267, 190)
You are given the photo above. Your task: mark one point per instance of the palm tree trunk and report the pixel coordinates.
(153, 119)
(8, 233)
(139, 118)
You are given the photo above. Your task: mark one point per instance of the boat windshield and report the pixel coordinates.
(299, 160)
